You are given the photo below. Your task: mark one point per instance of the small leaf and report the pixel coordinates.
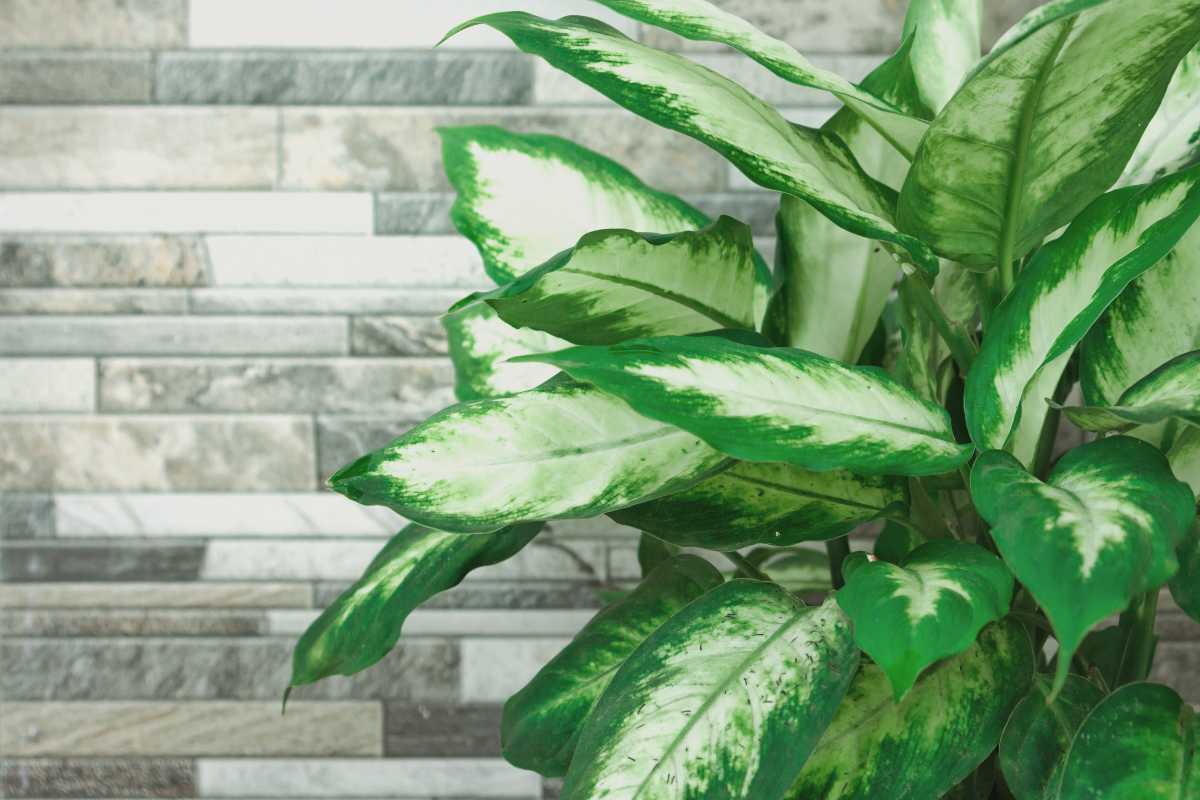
(363, 624)
(1172, 140)
(563, 450)
(481, 344)
(1138, 743)
(775, 504)
(1170, 392)
(1102, 530)
(542, 722)
(1185, 586)
(896, 541)
(938, 734)
(653, 551)
(726, 699)
(773, 404)
(800, 571)
(1038, 734)
(930, 607)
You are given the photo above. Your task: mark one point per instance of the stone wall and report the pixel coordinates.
(223, 244)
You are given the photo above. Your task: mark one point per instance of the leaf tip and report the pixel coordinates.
(286, 694)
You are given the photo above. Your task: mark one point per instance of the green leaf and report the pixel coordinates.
(577, 190)
(562, 450)
(678, 94)
(1170, 392)
(775, 504)
(1038, 734)
(774, 404)
(1185, 586)
(480, 345)
(1043, 126)
(924, 745)
(653, 551)
(931, 606)
(799, 571)
(1139, 743)
(617, 284)
(726, 699)
(1060, 295)
(542, 722)
(897, 541)
(363, 624)
(1172, 140)
(700, 20)
(1102, 530)
(1184, 455)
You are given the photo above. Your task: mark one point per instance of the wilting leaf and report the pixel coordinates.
(1172, 140)
(1170, 392)
(480, 345)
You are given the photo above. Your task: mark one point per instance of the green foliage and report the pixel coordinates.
(984, 234)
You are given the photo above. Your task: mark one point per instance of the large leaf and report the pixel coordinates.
(1043, 126)
(1102, 530)
(1038, 734)
(775, 504)
(522, 198)
(1172, 141)
(1061, 294)
(946, 44)
(922, 746)
(561, 450)
(1170, 392)
(618, 284)
(363, 624)
(542, 722)
(774, 404)
(480, 345)
(907, 616)
(1139, 743)
(726, 699)
(678, 94)
(1185, 586)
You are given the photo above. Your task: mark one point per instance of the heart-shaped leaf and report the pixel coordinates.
(480, 345)
(1172, 140)
(1170, 392)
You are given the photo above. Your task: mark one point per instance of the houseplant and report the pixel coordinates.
(966, 241)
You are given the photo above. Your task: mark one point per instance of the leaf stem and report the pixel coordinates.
(1008, 275)
(1142, 638)
(962, 348)
(837, 549)
(1049, 433)
(746, 569)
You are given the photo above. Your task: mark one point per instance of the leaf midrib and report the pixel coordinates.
(567, 452)
(722, 319)
(785, 489)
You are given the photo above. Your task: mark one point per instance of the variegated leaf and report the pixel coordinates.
(1184, 455)
(1103, 529)
(1038, 734)
(907, 616)
(1185, 586)
(1043, 126)
(363, 624)
(542, 722)
(1140, 742)
(578, 190)
(799, 570)
(726, 699)
(617, 284)
(1170, 392)
(683, 96)
(946, 38)
(1172, 140)
(773, 404)
(480, 345)
(775, 504)
(1061, 294)
(924, 745)
(563, 450)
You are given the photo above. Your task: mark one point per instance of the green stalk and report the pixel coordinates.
(1142, 639)
(837, 549)
(1049, 433)
(962, 348)
(745, 568)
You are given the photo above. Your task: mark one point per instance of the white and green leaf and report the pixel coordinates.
(938, 734)
(946, 46)
(542, 722)
(1102, 530)
(1172, 140)
(1043, 126)
(1060, 295)
(773, 404)
(725, 699)
(480, 345)
(1170, 392)
(563, 450)
(1184, 455)
(799, 570)
(931, 606)
(762, 503)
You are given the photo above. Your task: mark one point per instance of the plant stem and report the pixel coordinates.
(1049, 433)
(962, 348)
(1142, 638)
(746, 568)
(1007, 275)
(837, 549)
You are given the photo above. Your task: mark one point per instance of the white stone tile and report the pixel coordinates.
(134, 595)
(185, 212)
(359, 778)
(43, 385)
(320, 300)
(219, 514)
(494, 669)
(347, 261)
(363, 23)
(456, 622)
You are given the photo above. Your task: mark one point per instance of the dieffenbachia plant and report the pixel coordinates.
(965, 241)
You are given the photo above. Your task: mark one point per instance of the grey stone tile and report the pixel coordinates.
(93, 301)
(323, 301)
(476, 593)
(84, 561)
(446, 731)
(343, 558)
(131, 622)
(138, 596)
(156, 454)
(44, 78)
(494, 669)
(397, 336)
(96, 147)
(1177, 626)
(93, 23)
(1177, 664)
(96, 778)
(552, 788)
(100, 261)
(413, 213)
(363, 78)
(408, 388)
(26, 516)
(756, 209)
(340, 440)
(421, 670)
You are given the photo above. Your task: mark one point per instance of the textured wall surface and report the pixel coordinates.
(223, 244)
